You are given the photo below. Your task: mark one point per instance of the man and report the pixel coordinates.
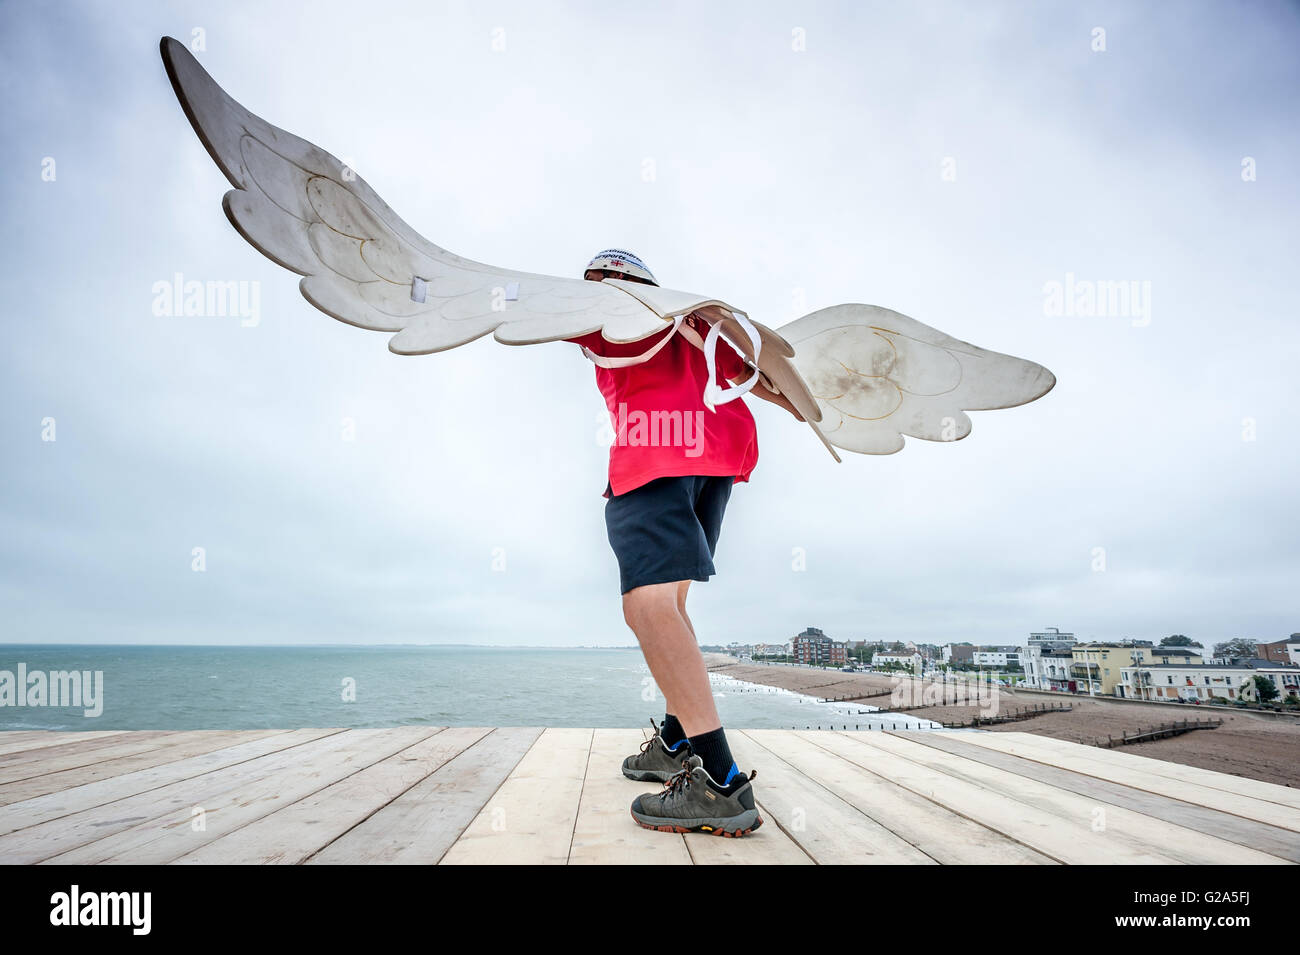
(671, 469)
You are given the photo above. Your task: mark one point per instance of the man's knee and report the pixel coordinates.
(643, 604)
(682, 587)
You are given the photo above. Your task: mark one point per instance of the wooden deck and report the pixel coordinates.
(527, 795)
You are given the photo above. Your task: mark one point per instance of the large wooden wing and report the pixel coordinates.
(361, 264)
(878, 375)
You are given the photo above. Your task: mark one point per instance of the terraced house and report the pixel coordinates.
(1203, 682)
(1097, 668)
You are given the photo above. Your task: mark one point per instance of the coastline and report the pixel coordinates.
(1245, 745)
(867, 715)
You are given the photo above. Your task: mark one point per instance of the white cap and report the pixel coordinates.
(619, 260)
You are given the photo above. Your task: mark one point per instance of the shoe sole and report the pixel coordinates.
(729, 830)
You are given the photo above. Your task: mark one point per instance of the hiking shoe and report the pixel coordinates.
(656, 762)
(692, 802)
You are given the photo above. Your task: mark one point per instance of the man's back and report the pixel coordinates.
(661, 426)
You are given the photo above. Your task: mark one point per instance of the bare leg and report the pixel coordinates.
(682, 587)
(657, 615)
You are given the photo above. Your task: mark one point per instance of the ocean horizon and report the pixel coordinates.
(194, 687)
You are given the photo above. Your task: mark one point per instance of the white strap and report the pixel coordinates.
(691, 336)
(713, 395)
(629, 360)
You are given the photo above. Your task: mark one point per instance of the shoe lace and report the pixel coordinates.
(645, 746)
(677, 783)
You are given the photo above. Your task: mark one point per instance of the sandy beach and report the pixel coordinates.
(1255, 747)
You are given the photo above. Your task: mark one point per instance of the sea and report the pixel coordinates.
(233, 687)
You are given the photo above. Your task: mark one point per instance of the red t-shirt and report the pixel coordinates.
(656, 409)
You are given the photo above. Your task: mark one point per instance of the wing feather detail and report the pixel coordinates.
(878, 375)
(307, 211)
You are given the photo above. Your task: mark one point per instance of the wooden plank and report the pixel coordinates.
(1147, 774)
(190, 744)
(768, 846)
(26, 734)
(530, 819)
(937, 832)
(1101, 824)
(1067, 840)
(61, 835)
(325, 795)
(829, 829)
(165, 837)
(74, 769)
(292, 834)
(28, 763)
(104, 792)
(1210, 778)
(18, 740)
(605, 833)
(1246, 832)
(419, 826)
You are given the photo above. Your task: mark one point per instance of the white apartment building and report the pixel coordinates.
(1051, 639)
(1202, 681)
(909, 660)
(1047, 669)
(997, 657)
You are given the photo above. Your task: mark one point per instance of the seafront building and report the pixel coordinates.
(1096, 667)
(1204, 681)
(814, 647)
(1049, 669)
(997, 658)
(1046, 660)
(911, 660)
(959, 653)
(1280, 651)
(1129, 669)
(1051, 639)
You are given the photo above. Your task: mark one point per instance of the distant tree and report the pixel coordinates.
(1265, 689)
(1240, 647)
(1178, 640)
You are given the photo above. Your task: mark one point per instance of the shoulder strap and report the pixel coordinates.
(713, 395)
(627, 361)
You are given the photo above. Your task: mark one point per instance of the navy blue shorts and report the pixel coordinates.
(667, 530)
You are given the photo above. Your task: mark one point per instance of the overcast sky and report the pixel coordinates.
(948, 161)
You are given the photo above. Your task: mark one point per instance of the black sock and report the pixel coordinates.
(712, 748)
(671, 731)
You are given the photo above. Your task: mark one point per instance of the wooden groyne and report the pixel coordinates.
(1163, 731)
(1015, 716)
